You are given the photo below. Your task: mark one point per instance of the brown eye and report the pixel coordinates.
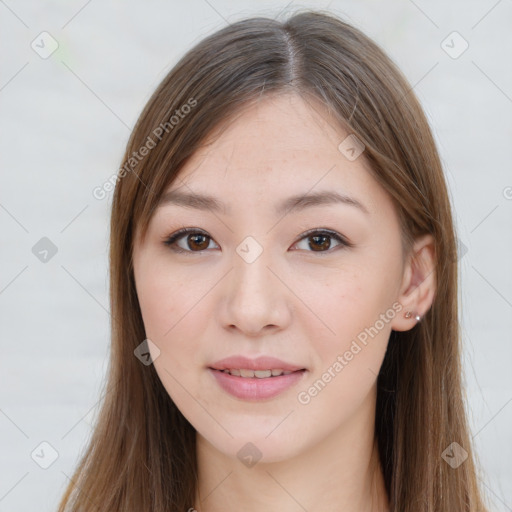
(188, 240)
(195, 241)
(322, 241)
(198, 241)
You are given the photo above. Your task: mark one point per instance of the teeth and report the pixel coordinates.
(259, 374)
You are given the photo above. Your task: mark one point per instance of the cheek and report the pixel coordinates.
(347, 362)
(170, 310)
(156, 304)
(168, 306)
(348, 311)
(339, 302)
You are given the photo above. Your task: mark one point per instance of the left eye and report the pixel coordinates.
(319, 241)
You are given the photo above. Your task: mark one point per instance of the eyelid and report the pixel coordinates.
(325, 231)
(170, 240)
(343, 243)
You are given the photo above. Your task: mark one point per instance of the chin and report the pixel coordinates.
(257, 449)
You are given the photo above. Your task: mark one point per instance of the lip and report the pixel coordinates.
(260, 363)
(254, 389)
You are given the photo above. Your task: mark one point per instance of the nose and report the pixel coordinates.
(256, 300)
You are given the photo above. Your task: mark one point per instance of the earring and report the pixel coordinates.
(408, 314)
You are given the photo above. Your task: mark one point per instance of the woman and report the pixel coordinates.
(283, 290)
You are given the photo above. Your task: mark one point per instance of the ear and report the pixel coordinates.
(418, 286)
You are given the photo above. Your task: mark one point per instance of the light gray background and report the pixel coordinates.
(64, 123)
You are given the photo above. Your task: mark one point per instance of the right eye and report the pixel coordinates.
(195, 239)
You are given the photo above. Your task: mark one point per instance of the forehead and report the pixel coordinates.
(281, 145)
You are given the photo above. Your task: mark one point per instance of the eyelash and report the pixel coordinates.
(171, 240)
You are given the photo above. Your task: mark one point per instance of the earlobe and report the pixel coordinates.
(419, 284)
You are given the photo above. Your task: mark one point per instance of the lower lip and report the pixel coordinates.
(255, 388)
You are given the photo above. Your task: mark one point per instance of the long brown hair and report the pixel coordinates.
(142, 452)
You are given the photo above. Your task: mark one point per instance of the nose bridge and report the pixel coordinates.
(255, 297)
(250, 249)
(251, 263)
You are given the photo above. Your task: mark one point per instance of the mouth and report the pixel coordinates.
(256, 385)
(256, 374)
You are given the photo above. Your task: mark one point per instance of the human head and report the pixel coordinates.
(349, 83)
(253, 288)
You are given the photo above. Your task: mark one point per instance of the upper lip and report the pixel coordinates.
(260, 363)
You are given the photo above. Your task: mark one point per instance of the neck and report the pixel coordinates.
(342, 472)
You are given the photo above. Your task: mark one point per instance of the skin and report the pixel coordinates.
(302, 305)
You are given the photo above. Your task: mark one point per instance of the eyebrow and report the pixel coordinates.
(293, 203)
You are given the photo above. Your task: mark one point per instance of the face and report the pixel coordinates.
(312, 282)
